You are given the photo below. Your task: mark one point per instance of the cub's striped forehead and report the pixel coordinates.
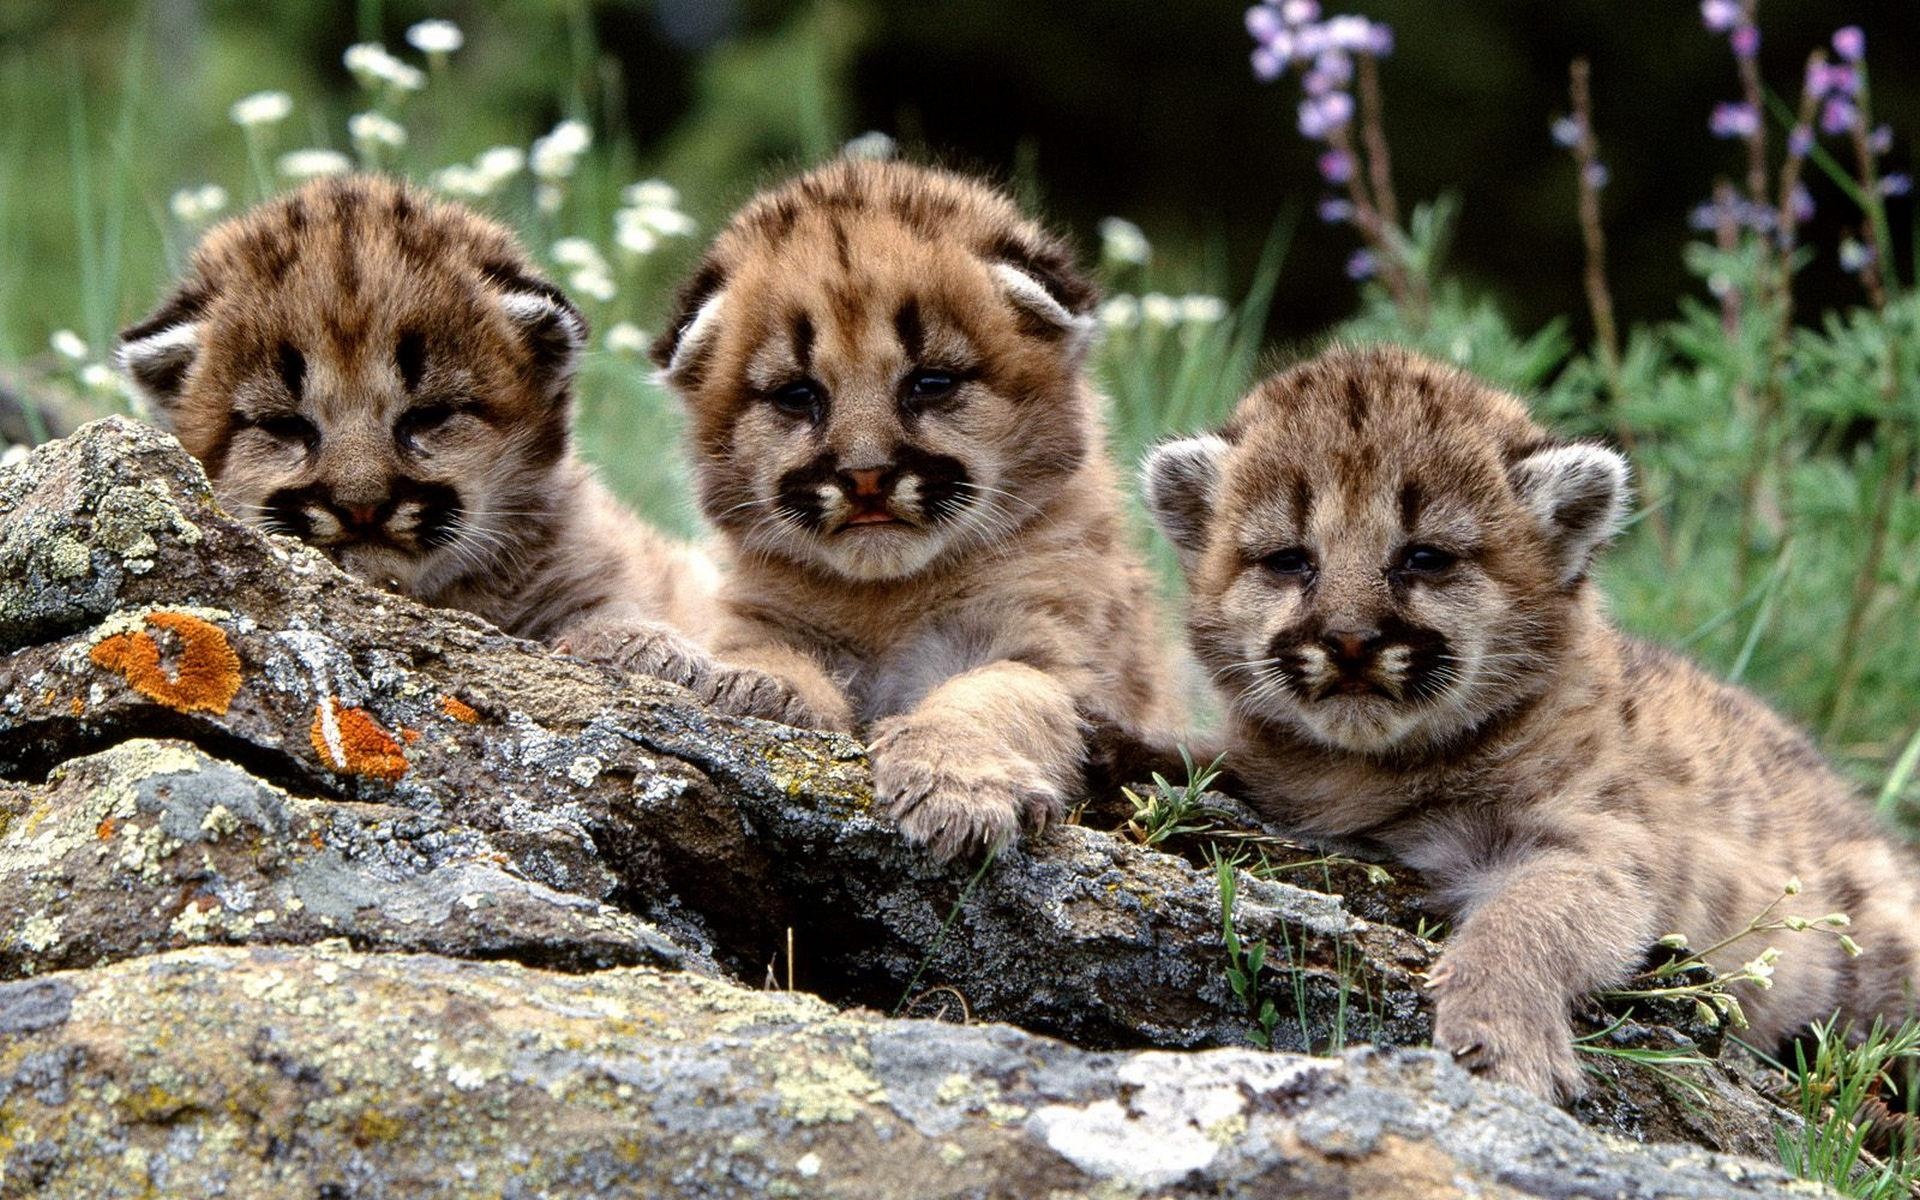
(857, 251)
(1382, 418)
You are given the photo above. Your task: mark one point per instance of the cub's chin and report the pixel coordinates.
(387, 567)
(1366, 723)
(873, 553)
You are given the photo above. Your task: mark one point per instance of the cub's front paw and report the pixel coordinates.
(1514, 1036)
(953, 792)
(646, 648)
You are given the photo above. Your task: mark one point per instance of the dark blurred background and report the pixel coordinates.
(1142, 108)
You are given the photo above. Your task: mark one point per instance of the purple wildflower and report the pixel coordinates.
(1854, 257)
(1334, 210)
(1801, 203)
(1379, 40)
(1336, 166)
(1746, 41)
(1267, 66)
(1361, 265)
(1720, 15)
(1321, 115)
(1596, 175)
(1348, 33)
(1832, 79)
(1800, 141)
(1567, 131)
(1881, 139)
(1837, 116)
(1263, 22)
(1734, 120)
(1896, 185)
(1850, 43)
(1299, 12)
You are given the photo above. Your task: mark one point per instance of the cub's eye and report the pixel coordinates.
(1293, 563)
(922, 386)
(416, 421)
(801, 398)
(289, 427)
(1426, 560)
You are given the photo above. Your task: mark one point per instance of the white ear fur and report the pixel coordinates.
(703, 326)
(158, 363)
(1578, 494)
(1180, 482)
(1033, 297)
(555, 330)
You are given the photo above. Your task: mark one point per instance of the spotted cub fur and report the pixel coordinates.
(387, 377)
(1389, 572)
(893, 432)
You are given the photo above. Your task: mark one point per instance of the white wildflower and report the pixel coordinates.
(69, 345)
(1120, 312)
(1673, 941)
(872, 144)
(261, 108)
(1160, 311)
(313, 163)
(375, 68)
(1836, 920)
(501, 162)
(193, 206)
(635, 238)
(650, 193)
(1121, 241)
(102, 379)
(459, 180)
(557, 154)
(1202, 309)
(1793, 885)
(627, 338)
(372, 130)
(12, 456)
(1851, 947)
(577, 252)
(548, 197)
(595, 282)
(436, 37)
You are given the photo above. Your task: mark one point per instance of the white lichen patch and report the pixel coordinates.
(584, 770)
(196, 923)
(219, 822)
(1171, 1124)
(39, 933)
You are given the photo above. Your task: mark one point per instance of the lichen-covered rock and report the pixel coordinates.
(219, 757)
(321, 1072)
(150, 845)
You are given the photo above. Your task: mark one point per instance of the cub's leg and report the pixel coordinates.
(1556, 928)
(987, 750)
(625, 639)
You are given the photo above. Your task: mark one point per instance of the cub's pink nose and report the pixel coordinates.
(361, 515)
(1351, 645)
(866, 482)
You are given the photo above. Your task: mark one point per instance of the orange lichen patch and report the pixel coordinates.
(350, 741)
(459, 710)
(208, 674)
(76, 706)
(106, 829)
(409, 736)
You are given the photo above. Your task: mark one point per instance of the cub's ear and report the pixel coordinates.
(681, 352)
(1578, 494)
(552, 328)
(1180, 483)
(1045, 311)
(158, 353)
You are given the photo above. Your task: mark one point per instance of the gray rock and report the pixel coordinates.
(264, 1071)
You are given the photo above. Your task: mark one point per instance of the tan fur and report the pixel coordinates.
(1001, 600)
(358, 345)
(1573, 794)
